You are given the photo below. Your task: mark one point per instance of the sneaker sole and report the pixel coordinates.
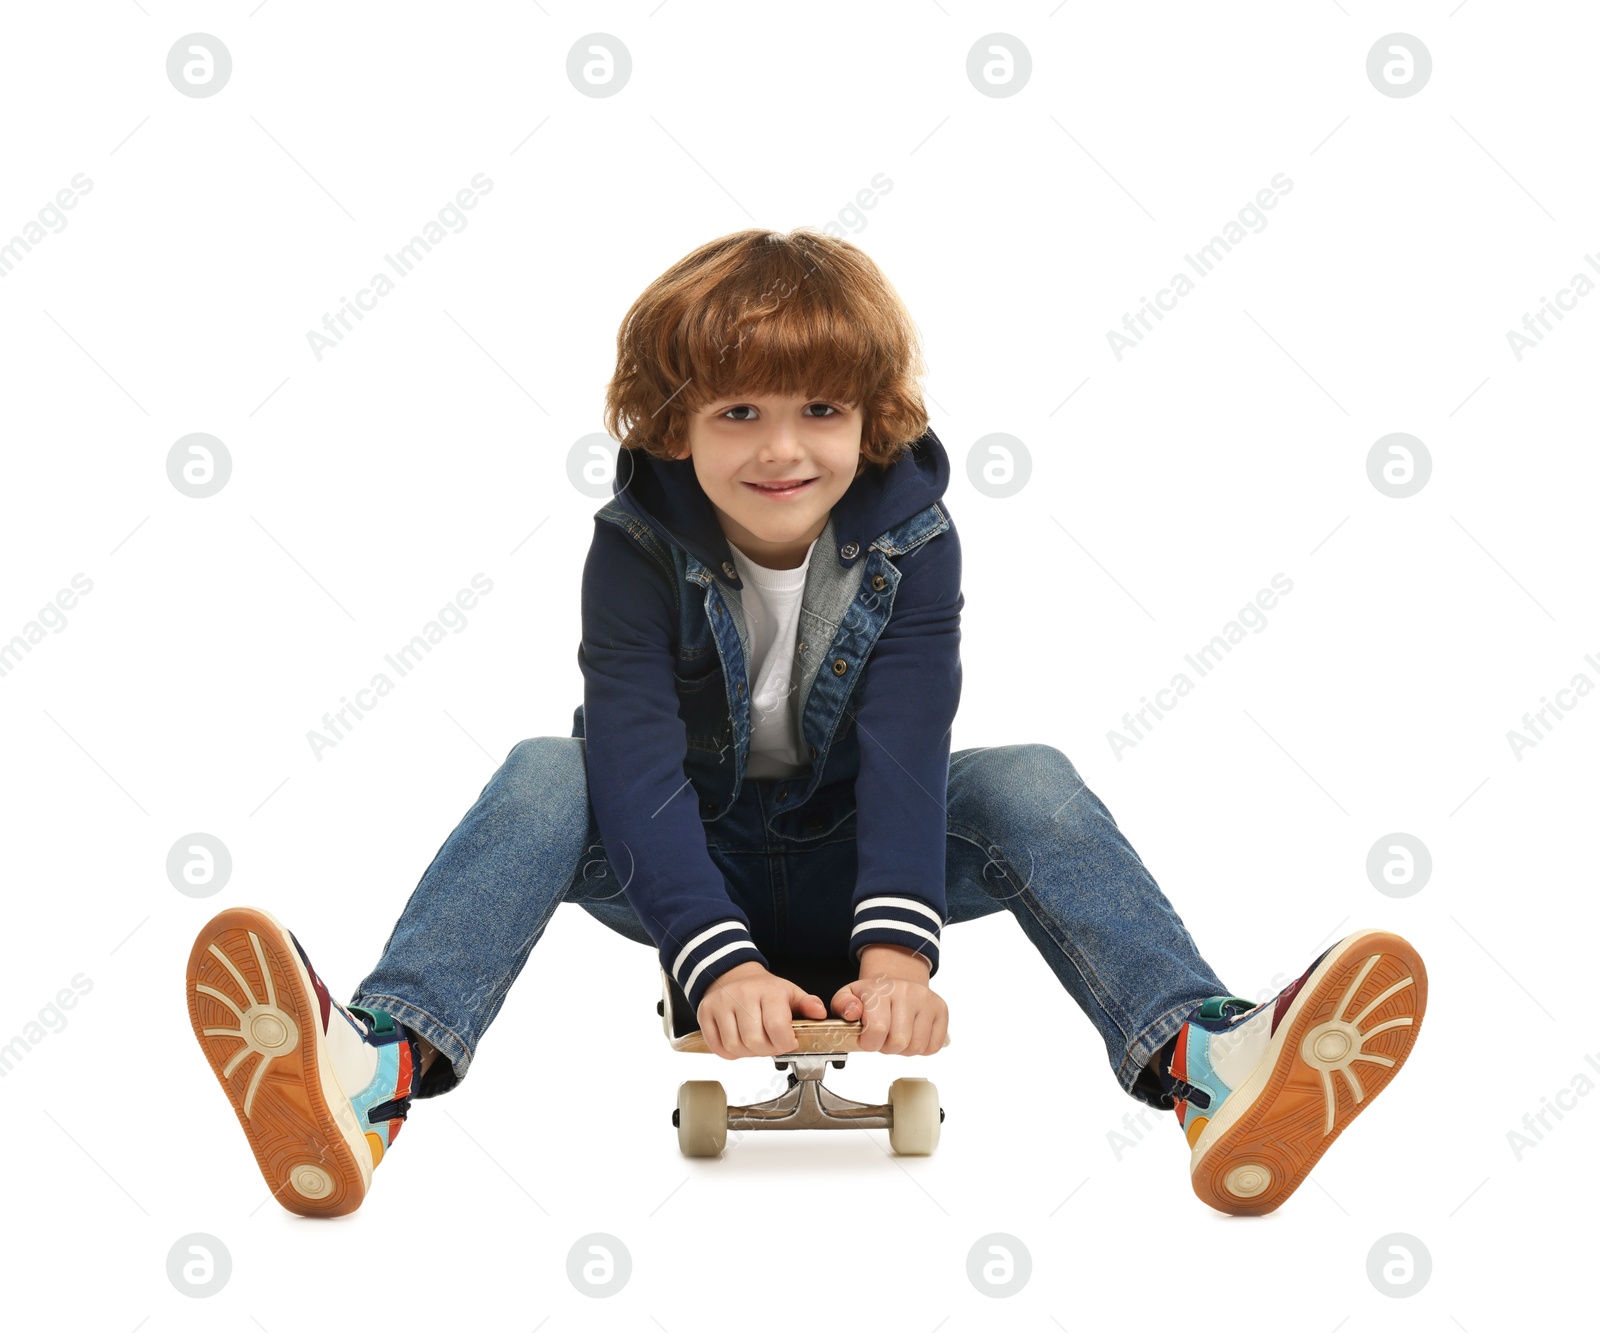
(258, 1021)
(1344, 1037)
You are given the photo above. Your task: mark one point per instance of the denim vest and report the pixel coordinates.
(843, 610)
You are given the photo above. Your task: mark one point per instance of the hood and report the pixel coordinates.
(667, 495)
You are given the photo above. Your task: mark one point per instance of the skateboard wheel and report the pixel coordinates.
(702, 1118)
(914, 1116)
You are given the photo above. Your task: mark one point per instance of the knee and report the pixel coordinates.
(1055, 793)
(539, 769)
(1044, 762)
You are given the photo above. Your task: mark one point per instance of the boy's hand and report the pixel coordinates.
(748, 1011)
(899, 1014)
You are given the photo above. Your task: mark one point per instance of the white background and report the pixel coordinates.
(369, 486)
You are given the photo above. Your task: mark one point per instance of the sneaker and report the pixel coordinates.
(1262, 1090)
(320, 1090)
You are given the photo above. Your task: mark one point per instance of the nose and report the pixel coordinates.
(781, 442)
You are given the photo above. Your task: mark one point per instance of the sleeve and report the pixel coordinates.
(909, 694)
(635, 747)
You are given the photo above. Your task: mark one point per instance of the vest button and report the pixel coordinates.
(850, 550)
(729, 570)
(840, 666)
(741, 687)
(813, 750)
(784, 794)
(878, 582)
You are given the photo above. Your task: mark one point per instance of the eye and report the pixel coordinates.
(748, 407)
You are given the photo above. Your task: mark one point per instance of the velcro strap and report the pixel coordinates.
(380, 1021)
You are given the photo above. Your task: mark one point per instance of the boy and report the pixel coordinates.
(761, 766)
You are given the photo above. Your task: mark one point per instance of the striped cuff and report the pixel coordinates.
(715, 950)
(909, 922)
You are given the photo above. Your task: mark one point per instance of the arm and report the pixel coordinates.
(909, 695)
(635, 746)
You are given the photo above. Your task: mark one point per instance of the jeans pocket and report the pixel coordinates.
(821, 819)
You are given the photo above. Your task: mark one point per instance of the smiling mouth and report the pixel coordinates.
(780, 487)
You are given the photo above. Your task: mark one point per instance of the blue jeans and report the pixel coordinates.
(1024, 833)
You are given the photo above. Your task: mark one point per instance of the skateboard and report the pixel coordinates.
(703, 1117)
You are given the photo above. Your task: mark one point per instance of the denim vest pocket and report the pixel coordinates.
(693, 672)
(703, 705)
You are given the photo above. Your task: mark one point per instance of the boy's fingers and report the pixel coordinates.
(708, 1030)
(802, 1002)
(875, 1026)
(921, 1031)
(747, 1018)
(728, 1030)
(779, 1030)
(899, 1026)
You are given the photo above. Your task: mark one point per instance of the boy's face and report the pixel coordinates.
(737, 443)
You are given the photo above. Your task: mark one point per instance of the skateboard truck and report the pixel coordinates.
(703, 1117)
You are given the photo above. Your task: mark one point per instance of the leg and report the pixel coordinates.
(528, 844)
(1027, 834)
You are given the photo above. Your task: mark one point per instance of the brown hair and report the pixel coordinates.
(759, 312)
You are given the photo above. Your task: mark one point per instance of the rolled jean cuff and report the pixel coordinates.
(442, 1075)
(1151, 1040)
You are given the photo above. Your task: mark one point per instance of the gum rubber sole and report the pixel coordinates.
(258, 1024)
(1344, 1037)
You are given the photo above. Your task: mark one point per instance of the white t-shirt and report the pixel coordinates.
(770, 599)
